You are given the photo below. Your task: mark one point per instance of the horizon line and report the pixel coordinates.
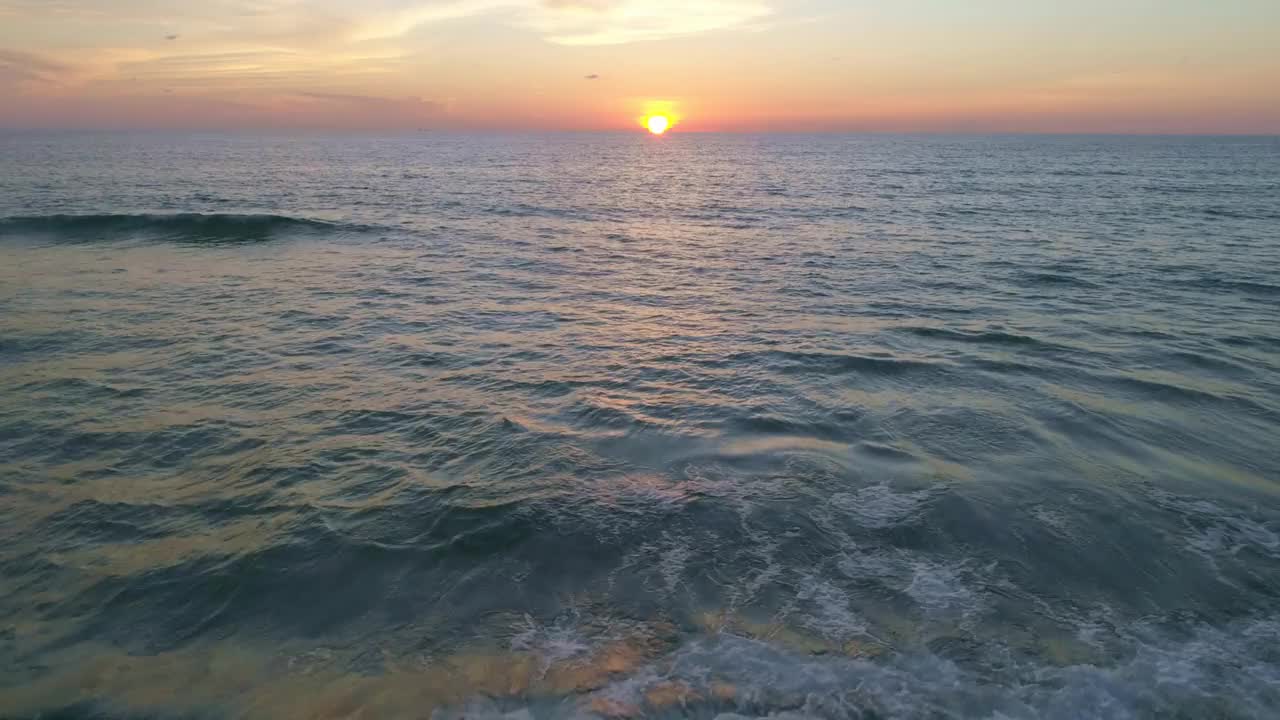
(616, 131)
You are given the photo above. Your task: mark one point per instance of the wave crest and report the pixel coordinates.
(178, 227)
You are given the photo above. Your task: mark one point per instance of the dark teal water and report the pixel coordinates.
(602, 425)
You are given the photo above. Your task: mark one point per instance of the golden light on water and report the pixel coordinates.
(658, 124)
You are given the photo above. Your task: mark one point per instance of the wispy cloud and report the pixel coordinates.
(178, 109)
(615, 22)
(411, 106)
(568, 22)
(18, 69)
(281, 46)
(597, 5)
(398, 18)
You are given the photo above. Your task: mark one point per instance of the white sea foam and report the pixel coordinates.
(1229, 672)
(675, 555)
(1217, 533)
(880, 506)
(829, 610)
(551, 643)
(942, 588)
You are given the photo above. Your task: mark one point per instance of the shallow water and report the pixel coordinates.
(564, 425)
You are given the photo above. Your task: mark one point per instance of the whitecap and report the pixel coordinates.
(879, 506)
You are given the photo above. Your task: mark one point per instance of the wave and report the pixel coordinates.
(1049, 278)
(1245, 287)
(1235, 214)
(988, 337)
(827, 363)
(178, 227)
(735, 668)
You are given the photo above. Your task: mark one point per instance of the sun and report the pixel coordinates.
(659, 117)
(658, 124)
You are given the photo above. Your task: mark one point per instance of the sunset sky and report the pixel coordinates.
(914, 65)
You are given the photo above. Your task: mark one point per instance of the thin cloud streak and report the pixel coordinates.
(19, 70)
(576, 23)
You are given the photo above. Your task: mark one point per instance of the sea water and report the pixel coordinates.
(610, 425)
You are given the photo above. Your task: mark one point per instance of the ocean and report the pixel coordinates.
(607, 425)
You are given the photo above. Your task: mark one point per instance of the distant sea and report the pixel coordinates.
(593, 425)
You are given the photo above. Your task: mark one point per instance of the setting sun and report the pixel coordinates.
(658, 124)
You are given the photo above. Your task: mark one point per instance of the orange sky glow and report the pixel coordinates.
(1177, 66)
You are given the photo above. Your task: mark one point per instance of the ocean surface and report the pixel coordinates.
(544, 426)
